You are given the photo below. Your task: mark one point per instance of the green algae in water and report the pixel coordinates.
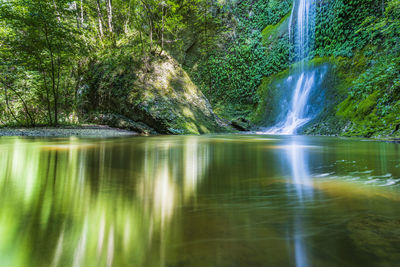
(234, 200)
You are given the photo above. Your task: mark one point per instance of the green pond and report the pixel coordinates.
(217, 200)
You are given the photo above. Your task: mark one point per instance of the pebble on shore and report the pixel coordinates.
(90, 130)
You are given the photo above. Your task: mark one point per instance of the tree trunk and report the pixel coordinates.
(141, 41)
(78, 83)
(47, 90)
(148, 12)
(8, 106)
(58, 84)
(100, 19)
(109, 15)
(32, 121)
(128, 17)
(56, 10)
(78, 22)
(82, 13)
(53, 75)
(162, 28)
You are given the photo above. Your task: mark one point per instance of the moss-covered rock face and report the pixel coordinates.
(160, 95)
(358, 106)
(272, 33)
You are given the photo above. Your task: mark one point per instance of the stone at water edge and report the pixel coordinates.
(377, 235)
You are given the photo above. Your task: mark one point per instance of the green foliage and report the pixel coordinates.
(345, 26)
(256, 15)
(39, 42)
(109, 79)
(233, 72)
(339, 25)
(376, 89)
(372, 103)
(47, 48)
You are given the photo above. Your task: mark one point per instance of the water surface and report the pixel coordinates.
(236, 200)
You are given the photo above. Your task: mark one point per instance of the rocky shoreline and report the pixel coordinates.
(66, 131)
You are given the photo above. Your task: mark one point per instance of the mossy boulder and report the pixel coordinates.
(158, 94)
(272, 33)
(166, 99)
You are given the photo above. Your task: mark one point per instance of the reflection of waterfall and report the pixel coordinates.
(301, 29)
(302, 182)
(301, 178)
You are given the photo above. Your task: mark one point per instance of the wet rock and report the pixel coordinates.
(241, 124)
(397, 127)
(121, 122)
(395, 140)
(376, 235)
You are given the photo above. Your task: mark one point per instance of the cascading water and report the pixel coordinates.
(301, 30)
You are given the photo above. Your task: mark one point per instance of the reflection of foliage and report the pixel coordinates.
(68, 202)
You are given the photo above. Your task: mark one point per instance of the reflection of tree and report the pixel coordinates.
(84, 203)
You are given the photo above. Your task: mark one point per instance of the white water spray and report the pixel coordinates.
(300, 29)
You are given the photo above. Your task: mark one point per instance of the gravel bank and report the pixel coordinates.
(85, 130)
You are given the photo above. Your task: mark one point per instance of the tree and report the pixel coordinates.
(42, 39)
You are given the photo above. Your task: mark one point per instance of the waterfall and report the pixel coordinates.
(301, 31)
